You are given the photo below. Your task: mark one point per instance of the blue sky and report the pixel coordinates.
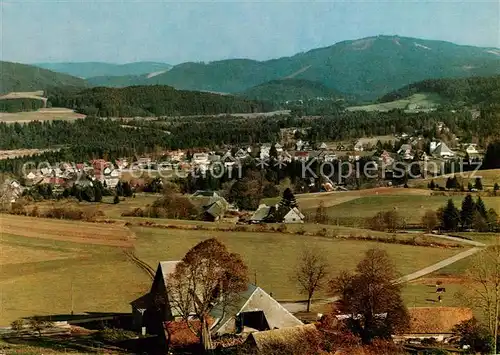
(174, 32)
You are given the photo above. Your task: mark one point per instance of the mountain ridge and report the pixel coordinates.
(368, 67)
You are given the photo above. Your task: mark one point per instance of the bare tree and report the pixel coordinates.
(483, 292)
(208, 276)
(311, 271)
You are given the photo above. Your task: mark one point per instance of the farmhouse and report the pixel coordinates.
(435, 322)
(277, 214)
(269, 340)
(253, 309)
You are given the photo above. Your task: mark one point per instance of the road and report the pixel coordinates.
(300, 306)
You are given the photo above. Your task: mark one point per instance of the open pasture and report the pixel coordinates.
(272, 257)
(45, 114)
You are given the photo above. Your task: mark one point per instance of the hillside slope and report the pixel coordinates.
(369, 67)
(92, 69)
(152, 100)
(290, 90)
(22, 77)
(462, 91)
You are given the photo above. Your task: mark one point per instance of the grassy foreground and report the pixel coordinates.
(56, 266)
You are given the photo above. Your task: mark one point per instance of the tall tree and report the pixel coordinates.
(467, 212)
(481, 208)
(478, 184)
(371, 298)
(288, 200)
(321, 216)
(310, 273)
(207, 276)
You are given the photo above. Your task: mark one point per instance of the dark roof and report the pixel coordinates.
(225, 313)
(216, 209)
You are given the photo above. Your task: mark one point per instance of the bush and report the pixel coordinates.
(282, 228)
(323, 232)
(113, 335)
(17, 325)
(301, 231)
(386, 221)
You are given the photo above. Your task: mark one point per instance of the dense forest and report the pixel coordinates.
(291, 90)
(457, 92)
(154, 100)
(95, 137)
(20, 105)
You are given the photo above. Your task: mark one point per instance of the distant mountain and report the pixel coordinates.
(369, 67)
(22, 77)
(290, 90)
(91, 69)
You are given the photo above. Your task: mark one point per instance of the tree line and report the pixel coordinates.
(20, 105)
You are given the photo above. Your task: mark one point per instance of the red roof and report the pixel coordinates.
(301, 154)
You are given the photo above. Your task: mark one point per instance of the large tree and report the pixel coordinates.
(207, 276)
(450, 216)
(467, 212)
(483, 290)
(371, 298)
(310, 273)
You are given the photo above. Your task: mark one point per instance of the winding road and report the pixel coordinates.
(300, 306)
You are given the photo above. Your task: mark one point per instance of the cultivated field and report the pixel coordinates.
(45, 114)
(50, 267)
(423, 101)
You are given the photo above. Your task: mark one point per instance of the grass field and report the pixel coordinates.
(55, 266)
(488, 178)
(272, 256)
(411, 207)
(45, 114)
(422, 100)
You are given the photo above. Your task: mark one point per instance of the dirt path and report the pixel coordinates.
(300, 306)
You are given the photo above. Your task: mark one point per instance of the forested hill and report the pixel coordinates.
(22, 77)
(291, 90)
(153, 100)
(457, 92)
(369, 67)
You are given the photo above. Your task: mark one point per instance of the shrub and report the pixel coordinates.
(301, 231)
(17, 325)
(323, 232)
(115, 335)
(282, 228)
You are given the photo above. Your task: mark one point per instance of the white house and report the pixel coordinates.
(294, 216)
(471, 149)
(201, 159)
(441, 149)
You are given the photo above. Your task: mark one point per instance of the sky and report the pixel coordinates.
(175, 32)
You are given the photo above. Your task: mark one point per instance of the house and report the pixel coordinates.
(276, 214)
(264, 151)
(434, 322)
(330, 157)
(284, 157)
(263, 214)
(30, 176)
(471, 149)
(299, 145)
(406, 152)
(302, 156)
(441, 149)
(215, 209)
(293, 216)
(279, 147)
(385, 158)
(200, 159)
(242, 154)
(323, 146)
(252, 308)
(288, 340)
(358, 146)
(341, 147)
